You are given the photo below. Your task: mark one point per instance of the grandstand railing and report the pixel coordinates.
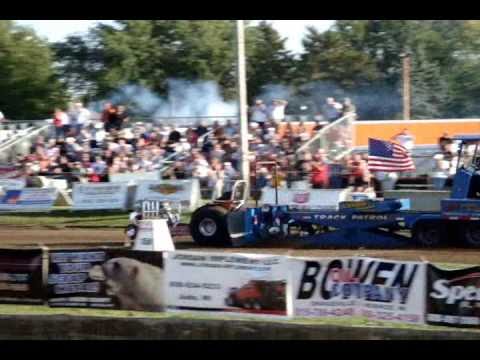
(25, 131)
(336, 139)
(184, 121)
(170, 160)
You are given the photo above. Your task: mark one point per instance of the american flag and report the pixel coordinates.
(388, 156)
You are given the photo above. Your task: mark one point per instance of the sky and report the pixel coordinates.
(55, 30)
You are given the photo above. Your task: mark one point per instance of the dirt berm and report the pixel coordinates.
(61, 327)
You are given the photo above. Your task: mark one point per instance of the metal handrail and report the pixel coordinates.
(202, 138)
(323, 131)
(170, 157)
(15, 141)
(185, 121)
(10, 142)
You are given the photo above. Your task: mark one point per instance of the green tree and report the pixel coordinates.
(429, 88)
(148, 52)
(464, 72)
(443, 52)
(79, 66)
(29, 88)
(330, 57)
(268, 60)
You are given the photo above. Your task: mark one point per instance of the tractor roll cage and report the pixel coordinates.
(466, 140)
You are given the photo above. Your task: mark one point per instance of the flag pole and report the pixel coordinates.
(242, 102)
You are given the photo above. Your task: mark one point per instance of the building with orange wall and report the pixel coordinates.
(426, 132)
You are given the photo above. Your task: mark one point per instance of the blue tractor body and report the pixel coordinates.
(387, 223)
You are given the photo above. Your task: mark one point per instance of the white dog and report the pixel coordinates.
(136, 285)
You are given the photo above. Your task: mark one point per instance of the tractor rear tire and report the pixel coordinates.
(429, 233)
(208, 226)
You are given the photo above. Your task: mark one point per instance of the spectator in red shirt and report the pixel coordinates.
(92, 176)
(320, 173)
(358, 171)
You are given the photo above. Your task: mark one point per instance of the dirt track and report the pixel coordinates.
(21, 237)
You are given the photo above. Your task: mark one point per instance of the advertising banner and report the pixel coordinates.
(100, 278)
(187, 192)
(453, 296)
(134, 178)
(308, 198)
(21, 276)
(99, 196)
(12, 184)
(357, 286)
(28, 199)
(228, 283)
(9, 171)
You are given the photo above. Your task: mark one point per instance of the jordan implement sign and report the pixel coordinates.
(226, 283)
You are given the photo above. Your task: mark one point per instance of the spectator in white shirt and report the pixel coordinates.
(215, 179)
(406, 139)
(2, 118)
(200, 169)
(82, 116)
(183, 146)
(229, 175)
(278, 110)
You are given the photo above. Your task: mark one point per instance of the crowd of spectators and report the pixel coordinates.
(90, 148)
(316, 170)
(274, 111)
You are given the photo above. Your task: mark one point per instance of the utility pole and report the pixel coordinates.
(242, 102)
(406, 62)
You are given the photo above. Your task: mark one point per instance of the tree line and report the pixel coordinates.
(360, 59)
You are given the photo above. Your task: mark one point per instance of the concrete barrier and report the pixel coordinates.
(62, 327)
(421, 200)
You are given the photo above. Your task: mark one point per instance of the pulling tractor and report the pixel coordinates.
(376, 223)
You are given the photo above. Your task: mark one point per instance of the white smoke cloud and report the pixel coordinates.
(374, 101)
(197, 99)
(276, 91)
(184, 99)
